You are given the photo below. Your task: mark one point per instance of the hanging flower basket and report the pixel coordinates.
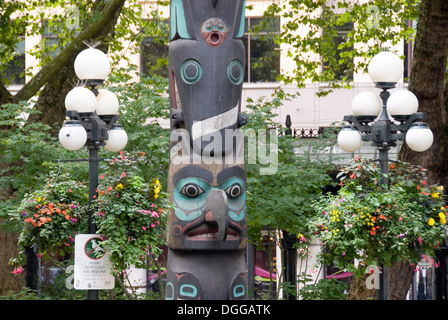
(372, 224)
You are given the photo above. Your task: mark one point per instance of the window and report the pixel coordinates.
(337, 60)
(408, 53)
(50, 40)
(263, 53)
(15, 70)
(154, 48)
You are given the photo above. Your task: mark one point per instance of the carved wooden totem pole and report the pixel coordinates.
(207, 174)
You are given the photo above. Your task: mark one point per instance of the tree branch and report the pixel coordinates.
(51, 68)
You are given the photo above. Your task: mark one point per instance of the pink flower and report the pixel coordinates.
(154, 214)
(144, 228)
(17, 270)
(152, 225)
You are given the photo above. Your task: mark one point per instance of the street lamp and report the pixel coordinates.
(384, 121)
(92, 120)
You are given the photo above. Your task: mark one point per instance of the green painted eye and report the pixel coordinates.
(192, 190)
(191, 71)
(235, 72)
(234, 190)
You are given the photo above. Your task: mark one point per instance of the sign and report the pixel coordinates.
(92, 266)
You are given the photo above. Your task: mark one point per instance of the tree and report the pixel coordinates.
(428, 82)
(29, 145)
(279, 197)
(379, 23)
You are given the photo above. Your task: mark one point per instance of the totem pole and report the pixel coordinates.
(207, 174)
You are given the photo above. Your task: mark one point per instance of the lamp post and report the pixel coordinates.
(92, 120)
(384, 121)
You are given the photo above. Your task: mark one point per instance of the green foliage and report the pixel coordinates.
(51, 216)
(311, 29)
(323, 289)
(281, 201)
(130, 212)
(142, 105)
(372, 224)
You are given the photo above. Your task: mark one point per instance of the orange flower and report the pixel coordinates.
(67, 217)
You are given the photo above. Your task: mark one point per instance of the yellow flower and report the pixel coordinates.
(119, 187)
(434, 194)
(442, 218)
(431, 222)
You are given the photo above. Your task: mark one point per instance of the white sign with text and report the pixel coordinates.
(92, 266)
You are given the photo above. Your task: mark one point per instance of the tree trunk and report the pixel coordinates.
(427, 82)
(400, 279)
(358, 290)
(51, 100)
(57, 77)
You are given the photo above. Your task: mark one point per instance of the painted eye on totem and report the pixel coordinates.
(191, 71)
(235, 72)
(234, 190)
(192, 190)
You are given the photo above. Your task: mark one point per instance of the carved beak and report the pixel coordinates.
(216, 212)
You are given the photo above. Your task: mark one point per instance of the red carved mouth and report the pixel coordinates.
(205, 233)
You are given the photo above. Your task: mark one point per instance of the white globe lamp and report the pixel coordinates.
(366, 104)
(107, 103)
(349, 139)
(385, 68)
(118, 138)
(92, 64)
(72, 135)
(419, 137)
(402, 104)
(80, 99)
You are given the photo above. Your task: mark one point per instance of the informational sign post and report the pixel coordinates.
(92, 266)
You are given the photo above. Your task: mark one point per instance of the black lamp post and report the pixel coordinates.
(396, 119)
(92, 121)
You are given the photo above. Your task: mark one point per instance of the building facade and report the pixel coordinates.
(266, 59)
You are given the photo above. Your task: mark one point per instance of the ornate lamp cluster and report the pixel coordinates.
(92, 121)
(396, 114)
(92, 112)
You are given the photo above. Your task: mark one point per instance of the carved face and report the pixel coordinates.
(206, 67)
(209, 209)
(214, 32)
